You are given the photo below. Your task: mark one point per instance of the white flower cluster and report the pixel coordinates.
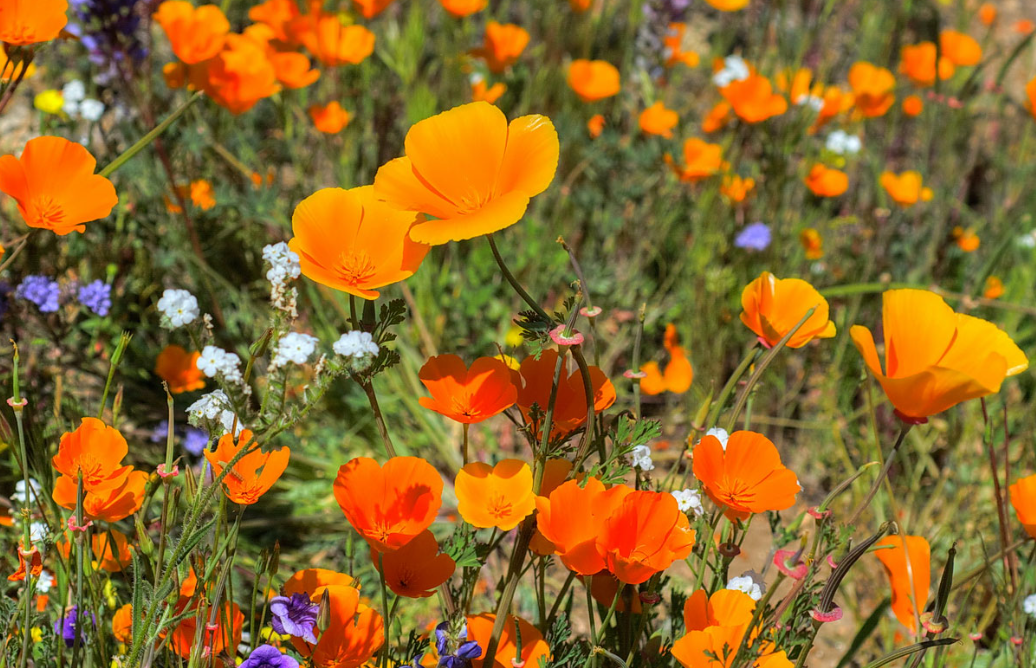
(213, 413)
(734, 69)
(355, 344)
(1029, 605)
(178, 308)
(20, 496)
(750, 583)
(721, 434)
(843, 143)
(640, 457)
(45, 582)
(215, 360)
(812, 101)
(76, 103)
(284, 268)
(688, 500)
(293, 347)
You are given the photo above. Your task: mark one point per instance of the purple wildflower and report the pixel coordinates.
(110, 31)
(754, 237)
(268, 656)
(96, 296)
(466, 649)
(195, 440)
(295, 616)
(41, 291)
(160, 432)
(66, 626)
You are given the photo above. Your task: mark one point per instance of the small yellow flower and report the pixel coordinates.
(37, 634)
(109, 592)
(513, 338)
(50, 101)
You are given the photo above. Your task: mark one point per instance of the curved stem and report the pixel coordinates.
(514, 282)
(881, 476)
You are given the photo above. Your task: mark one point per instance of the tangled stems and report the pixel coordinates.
(881, 476)
(18, 406)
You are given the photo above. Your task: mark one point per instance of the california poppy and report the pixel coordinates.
(674, 46)
(254, 474)
(104, 556)
(593, 80)
(907, 562)
(292, 69)
(23, 23)
(987, 13)
(237, 77)
(55, 187)
(746, 476)
(935, 358)
(658, 120)
(700, 161)
(824, 181)
(503, 44)
(331, 42)
(94, 450)
(32, 567)
(462, 8)
(678, 373)
(644, 535)
(812, 243)
(110, 505)
(913, 105)
(595, 126)
(467, 395)
(481, 92)
(388, 505)
(371, 8)
(555, 473)
(330, 118)
(534, 647)
(960, 49)
(1030, 92)
(773, 306)
(753, 99)
(471, 170)
(966, 239)
(122, 624)
(12, 69)
(313, 581)
(202, 194)
(572, 517)
(873, 87)
(195, 34)
(351, 241)
(179, 369)
(736, 188)
(354, 633)
(835, 102)
(417, 569)
(905, 189)
(728, 5)
(224, 635)
(716, 626)
(277, 15)
(918, 63)
(534, 380)
(994, 288)
(1023, 498)
(498, 496)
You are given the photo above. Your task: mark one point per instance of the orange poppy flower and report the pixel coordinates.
(1023, 498)
(417, 569)
(313, 581)
(355, 631)
(492, 171)
(467, 395)
(555, 472)
(715, 627)
(773, 306)
(534, 380)
(644, 535)
(371, 8)
(593, 80)
(935, 358)
(332, 43)
(95, 450)
(498, 496)
(292, 69)
(481, 93)
(913, 105)
(226, 635)
(674, 46)
(812, 243)
(745, 477)
(905, 189)
(753, 99)
(717, 118)
(34, 566)
(960, 49)
(572, 517)
(179, 369)
(104, 557)
(1030, 92)
(55, 187)
(836, 101)
(604, 587)
(1023, 26)
(700, 161)
(873, 88)
(595, 126)
(330, 118)
(195, 34)
(907, 561)
(728, 5)
(351, 241)
(580, 6)
(735, 188)
(658, 120)
(462, 8)
(202, 194)
(966, 240)
(388, 505)
(238, 76)
(994, 288)
(23, 23)
(277, 15)
(919, 65)
(534, 647)
(826, 182)
(175, 75)
(254, 474)
(503, 45)
(106, 506)
(122, 624)
(987, 13)
(678, 374)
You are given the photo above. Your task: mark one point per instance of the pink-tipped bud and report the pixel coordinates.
(17, 405)
(790, 563)
(649, 598)
(824, 617)
(591, 311)
(72, 526)
(633, 375)
(818, 514)
(764, 342)
(974, 637)
(559, 336)
(831, 562)
(164, 473)
(1017, 640)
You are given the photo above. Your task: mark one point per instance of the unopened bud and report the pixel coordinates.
(324, 614)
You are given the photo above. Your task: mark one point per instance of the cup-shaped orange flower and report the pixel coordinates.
(678, 374)
(351, 241)
(905, 189)
(481, 92)
(371, 8)
(254, 474)
(593, 80)
(122, 624)
(330, 118)
(771, 307)
(960, 49)
(291, 68)
(195, 33)
(239, 76)
(1023, 498)
(503, 44)
(417, 569)
(94, 450)
(573, 516)
(471, 170)
(107, 505)
(873, 87)
(644, 535)
(918, 63)
(179, 369)
(747, 477)
(225, 636)
(753, 99)
(534, 647)
(23, 23)
(389, 505)
(461, 8)
(354, 632)
(700, 161)
(534, 380)
(467, 395)
(736, 188)
(908, 562)
(658, 120)
(313, 581)
(498, 496)
(1030, 93)
(935, 358)
(330, 41)
(277, 15)
(716, 626)
(55, 187)
(825, 181)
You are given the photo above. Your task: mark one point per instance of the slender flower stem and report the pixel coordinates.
(372, 399)
(464, 445)
(388, 614)
(30, 581)
(149, 137)
(514, 282)
(636, 359)
(881, 476)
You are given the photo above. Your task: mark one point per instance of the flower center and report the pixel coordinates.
(498, 506)
(355, 268)
(49, 212)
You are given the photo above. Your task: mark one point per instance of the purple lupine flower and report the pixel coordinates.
(96, 296)
(41, 291)
(195, 440)
(295, 616)
(110, 31)
(754, 237)
(66, 626)
(466, 649)
(268, 656)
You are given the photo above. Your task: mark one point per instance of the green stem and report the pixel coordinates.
(514, 282)
(881, 476)
(149, 137)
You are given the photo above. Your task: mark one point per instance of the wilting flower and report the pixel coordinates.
(935, 358)
(179, 369)
(773, 306)
(351, 241)
(294, 615)
(644, 535)
(827, 182)
(658, 120)
(534, 380)
(494, 169)
(907, 562)
(678, 373)
(1023, 498)
(735, 188)
(498, 496)
(389, 505)
(503, 45)
(462, 8)
(905, 189)
(700, 161)
(70, 624)
(593, 80)
(253, 474)
(26, 23)
(746, 476)
(467, 395)
(330, 118)
(417, 569)
(873, 88)
(753, 99)
(918, 63)
(755, 237)
(812, 243)
(195, 34)
(33, 567)
(534, 647)
(331, 42)
(268, 656)
(55, 187)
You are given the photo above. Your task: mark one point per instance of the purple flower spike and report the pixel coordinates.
(268, 656)
(295, 616)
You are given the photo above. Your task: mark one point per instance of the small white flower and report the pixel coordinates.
(70, 107)
(178, 308)
(734, 69)
(294, 347)
(1028, 240)
(843, 143)
(208, 407)
(284, 263)
(91, 109)
(19, 491)
(640, 457)
(812, 101)
(1029, 605)
(688, 500)
(45, 582)
(721, 434)
(749, 583)
(355, 344)
(73, 91)
(38, 532)
(211, 360)
(228, 421)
